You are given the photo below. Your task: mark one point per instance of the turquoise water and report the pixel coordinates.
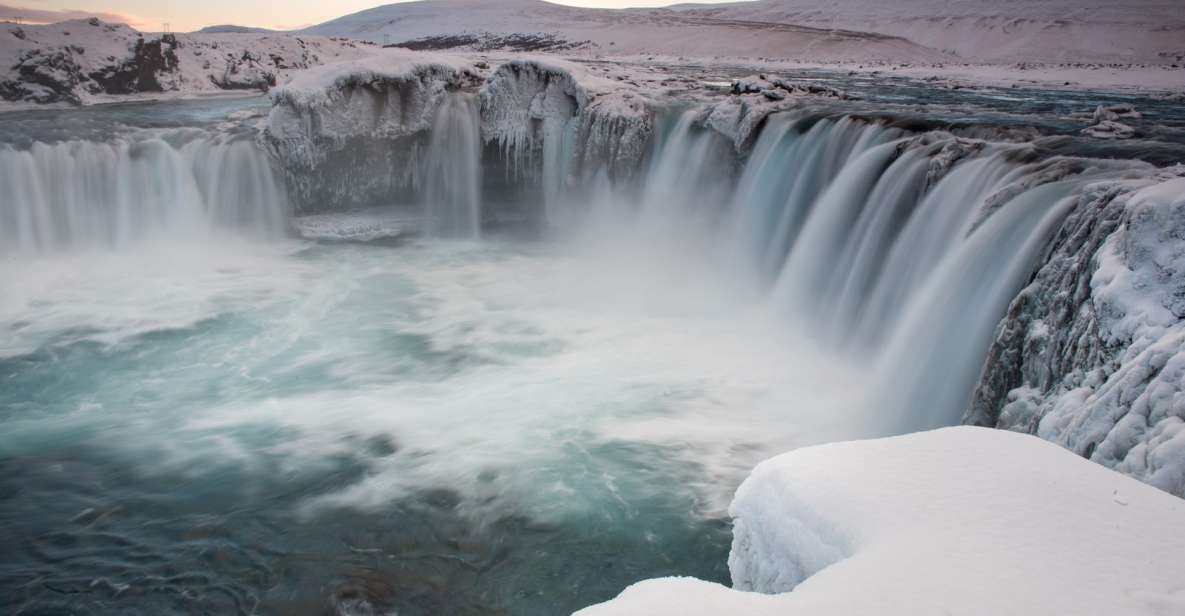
(410, 427)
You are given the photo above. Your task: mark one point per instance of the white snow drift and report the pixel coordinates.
(955, 521)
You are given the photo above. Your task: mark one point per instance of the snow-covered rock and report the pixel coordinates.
(1114, 112)
(350, 134)
(353, 134)
(84, 61)
(569, 123)
(1090, 354)
(956, 521)
(1109, 129)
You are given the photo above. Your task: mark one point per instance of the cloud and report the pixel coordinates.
(44, 16)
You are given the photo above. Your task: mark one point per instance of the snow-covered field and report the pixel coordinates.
(1051, 31)
(955, 521)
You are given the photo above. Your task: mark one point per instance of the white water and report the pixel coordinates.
(452, 171)
(86, 195)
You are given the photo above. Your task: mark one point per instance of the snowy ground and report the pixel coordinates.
(994, 31)
(924, 524)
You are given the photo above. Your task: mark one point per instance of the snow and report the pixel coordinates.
(321, 86)
(1090, 355)
(955, 521)
(603, 31)
(1137, 413)
(1074, 31)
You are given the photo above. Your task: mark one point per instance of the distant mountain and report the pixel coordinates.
(538, 25)
(233, 29)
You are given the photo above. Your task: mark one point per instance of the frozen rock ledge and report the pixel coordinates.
(955, 521)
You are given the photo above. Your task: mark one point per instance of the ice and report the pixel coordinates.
(959, 520)
(1090, 354)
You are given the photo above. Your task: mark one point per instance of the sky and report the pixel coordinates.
(184, 16)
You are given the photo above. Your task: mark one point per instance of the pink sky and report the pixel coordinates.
(186, 16)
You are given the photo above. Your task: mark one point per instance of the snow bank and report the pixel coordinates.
(956, 521)
(1092, 354)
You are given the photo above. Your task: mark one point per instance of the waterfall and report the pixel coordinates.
(91, 195)
(452, 172)
(690, 173)
(900, 252)
(793, 162)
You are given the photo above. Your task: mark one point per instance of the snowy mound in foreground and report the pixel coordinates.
(956, 521)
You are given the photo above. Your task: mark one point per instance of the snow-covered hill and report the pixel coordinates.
(87, 60)
(1054, 31)
(1097, 31)
(535, 25)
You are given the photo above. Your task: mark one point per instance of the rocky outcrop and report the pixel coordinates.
(554, 121)
(80, 62)
(352, 134)
(1090, 354)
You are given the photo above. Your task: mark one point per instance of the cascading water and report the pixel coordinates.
(793, 162)
(897, 251)
(355, 422)
(690, 173)
(80, 195)
(452, 173)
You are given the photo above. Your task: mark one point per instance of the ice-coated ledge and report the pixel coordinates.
(956, 521)
(350, 134)
(1090, 354)
(574, 122)
(345, 99)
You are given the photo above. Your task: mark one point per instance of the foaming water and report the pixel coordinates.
(431, 392)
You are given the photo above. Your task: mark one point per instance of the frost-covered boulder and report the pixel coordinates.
(956, 521)
(1109, 129)
(351, 134)
(1091, 355)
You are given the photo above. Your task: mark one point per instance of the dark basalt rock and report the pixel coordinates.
(140, 72)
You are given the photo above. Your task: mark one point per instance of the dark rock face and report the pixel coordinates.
(140, 72)
(491, 42)
(47, 76)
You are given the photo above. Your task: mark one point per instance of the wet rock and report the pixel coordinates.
(1109, 129)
